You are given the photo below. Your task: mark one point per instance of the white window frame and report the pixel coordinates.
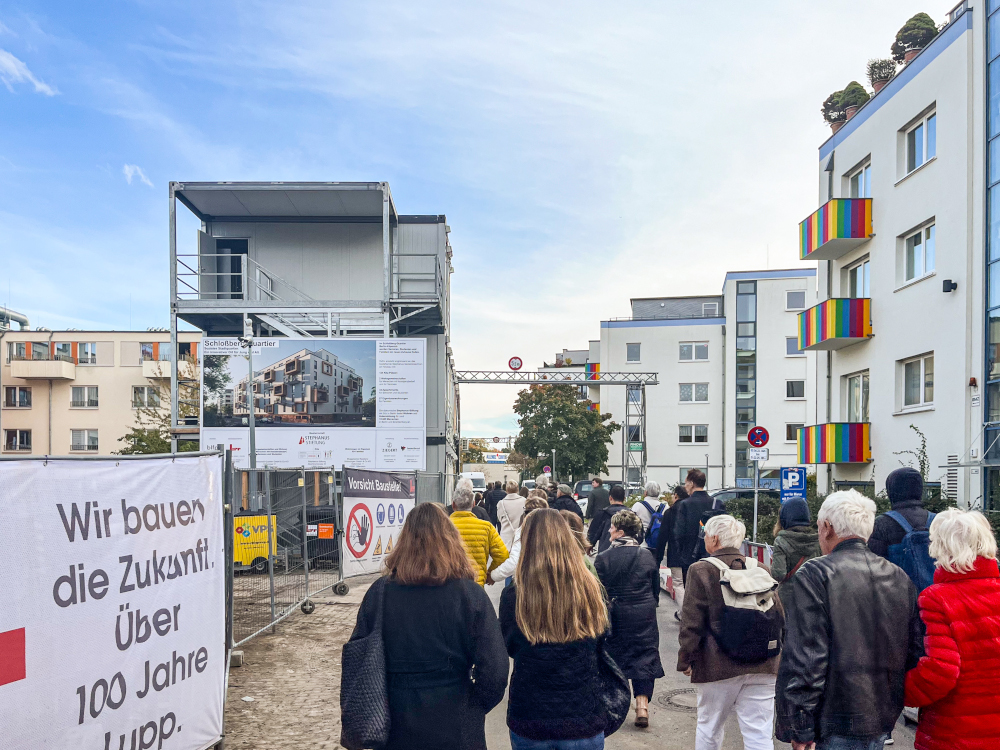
(694, 351)
(799, 352)
(87, 391)
(17, 396)
(927, 236)
(86, 437)
(713, 306)
(863, 263)
(863, 172)
(637, 359)
(798, 426)
(86, 353)
(694, 434)
(146, 389)
(17, 441)
(927, 145)
(860, 376)
(795, 398)
(694, 394)
(805, 302)
(923, 403)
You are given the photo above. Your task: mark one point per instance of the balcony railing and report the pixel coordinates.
(835, 323)
(835, 443)
(83, 403)
(836, 227)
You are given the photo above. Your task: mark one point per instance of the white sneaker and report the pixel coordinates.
(890, 741)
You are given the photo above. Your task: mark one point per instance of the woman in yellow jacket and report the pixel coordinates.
(481, 540)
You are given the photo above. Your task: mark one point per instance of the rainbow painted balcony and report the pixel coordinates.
(836, 227)
(835, 443)
(835, 323)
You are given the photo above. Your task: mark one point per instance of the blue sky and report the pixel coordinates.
(584, 152)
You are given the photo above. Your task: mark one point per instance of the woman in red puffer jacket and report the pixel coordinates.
(955, 684)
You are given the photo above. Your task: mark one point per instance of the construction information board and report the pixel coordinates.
(375, 507)
(112, 630)
(318, 402)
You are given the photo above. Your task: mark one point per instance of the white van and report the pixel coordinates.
(477, 478)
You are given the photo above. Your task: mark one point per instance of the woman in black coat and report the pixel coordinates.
(632, 580)
(439, 629)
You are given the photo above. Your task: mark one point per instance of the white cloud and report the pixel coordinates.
(14, 71)
(133, 170)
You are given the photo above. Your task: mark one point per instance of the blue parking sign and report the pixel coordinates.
(793, 483)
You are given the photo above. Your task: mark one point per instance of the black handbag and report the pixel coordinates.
(614, 695)
(364, 689)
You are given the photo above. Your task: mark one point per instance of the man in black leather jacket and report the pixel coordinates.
(855, 633)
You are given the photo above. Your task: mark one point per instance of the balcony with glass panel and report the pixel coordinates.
(835, 228)
(835, 443)
(835, 323)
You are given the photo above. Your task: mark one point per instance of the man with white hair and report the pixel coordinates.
(484, 545)
(855, 633)
(728, 682)
(646, 507)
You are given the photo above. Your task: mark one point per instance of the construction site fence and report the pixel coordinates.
(283, 533)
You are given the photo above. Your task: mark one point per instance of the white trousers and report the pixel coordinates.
(751, 696)
(675, 574)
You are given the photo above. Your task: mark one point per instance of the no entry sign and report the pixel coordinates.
(758, 437)
(359, 530)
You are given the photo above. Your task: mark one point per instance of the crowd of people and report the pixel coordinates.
(857, 617)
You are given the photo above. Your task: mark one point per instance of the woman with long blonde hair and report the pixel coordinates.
(554, 620)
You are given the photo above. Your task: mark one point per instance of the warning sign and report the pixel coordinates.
(375, 504)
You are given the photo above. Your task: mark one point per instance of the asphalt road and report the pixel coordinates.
(672, 711)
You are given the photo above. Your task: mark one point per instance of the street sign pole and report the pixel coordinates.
(756, 490)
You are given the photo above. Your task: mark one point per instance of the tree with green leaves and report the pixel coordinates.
(552, 417)
(474, 453)
(151, 431)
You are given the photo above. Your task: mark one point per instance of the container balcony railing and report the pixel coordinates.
(835, 323)
(836, 227)
(835, 443)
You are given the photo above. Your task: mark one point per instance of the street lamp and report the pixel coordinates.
(553, 464)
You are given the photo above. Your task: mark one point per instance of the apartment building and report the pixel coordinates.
(312, 387)
(78, 392)
(898, 330)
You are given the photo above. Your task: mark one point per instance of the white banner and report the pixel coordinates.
(112, 629)
(375, 506)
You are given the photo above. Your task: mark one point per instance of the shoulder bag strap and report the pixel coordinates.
(901, 520)
(794, 570)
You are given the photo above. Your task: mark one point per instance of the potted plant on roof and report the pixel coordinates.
(880, 72)
(833, 113)
(915, 34)
(852, 97)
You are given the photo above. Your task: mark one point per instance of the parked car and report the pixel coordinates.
(529, 484)
(730, 493)
(478, 479)
(582, 488)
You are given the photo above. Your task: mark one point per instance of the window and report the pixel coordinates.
(918, 381)
(795, 300)
(919, 253)
(16, 397)
(792, 347)
(631, 352)
(921, 143)
(691, 351)
(696, 433)
(327, 368)
(795, 389)
(16, 350)
(87, 354)
(146, 353)
(792, 432)
(83, 397)
(861, 182)
(63, 352)
(696, 392)
(709, 309)
(40, 350)
(145, 397)
(17, 440)
(83, 440)
(859, 280)
(857, 397)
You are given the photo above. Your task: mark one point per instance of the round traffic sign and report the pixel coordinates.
(359, 530)
(515, 363)
(546, 469)
(496, 440)
(758, 437)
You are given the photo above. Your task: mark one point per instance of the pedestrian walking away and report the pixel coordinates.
(493, 497)
(565, 693)
(438, 628)
(730, 639)
(855, 633)
(576, 526)
(632, 582)
(478, 510)
(506, 569)
(955, 684)
(647, 509)
(480, 538)
(508, 512)
(599, 532)
(795, 542)
(564, 500)
(687, 525)
(598, 499)
(901, 535)
(667, 546)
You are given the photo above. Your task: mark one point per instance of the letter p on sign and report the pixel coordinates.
(12, 666)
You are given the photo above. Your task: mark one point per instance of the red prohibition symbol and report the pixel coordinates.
(515, 363)
(758, 437)
(359, 530)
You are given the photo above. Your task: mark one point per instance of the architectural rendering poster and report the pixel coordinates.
(318, 402)
(113, 624)
(375, 506)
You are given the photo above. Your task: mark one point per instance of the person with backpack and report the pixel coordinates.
(632, 581)
(901, 535)
(650, 511)
(730, 638)
(855, 634)
(564, 500)
(795, 542)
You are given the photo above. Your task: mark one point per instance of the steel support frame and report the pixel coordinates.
(635, 418)
(555, 378)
